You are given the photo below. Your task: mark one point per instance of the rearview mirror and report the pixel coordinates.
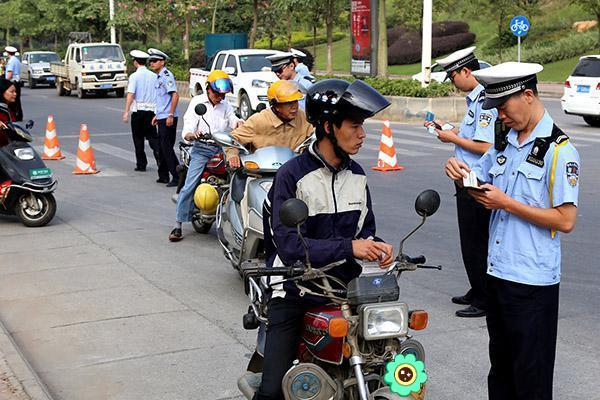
(260, 107)
(427, 203)
(230, 70)
(29, 124)
(293, 212)
(200, 109)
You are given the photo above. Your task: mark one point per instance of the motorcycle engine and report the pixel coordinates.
(307, 381)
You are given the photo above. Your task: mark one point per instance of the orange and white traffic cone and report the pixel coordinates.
(85, 155)
(51, 147)
(387, 160)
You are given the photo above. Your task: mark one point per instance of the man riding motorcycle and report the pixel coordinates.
(281, 125)
(218, 117)
(341, 225)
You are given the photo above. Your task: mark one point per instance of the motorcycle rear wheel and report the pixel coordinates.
(36, 218)
(201, 227)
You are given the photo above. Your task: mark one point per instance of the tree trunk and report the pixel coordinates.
(120, 35)
(186, 36)
(55, 41)
(382, 48)
(289, 28)
(254, 23)
(314, 41)
(214, 17)
(329, 27)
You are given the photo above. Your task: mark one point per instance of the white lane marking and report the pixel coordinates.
(115, 151)
(98, 134)
(412, 153)
(424, 143)
(114, 109)
(71, 158)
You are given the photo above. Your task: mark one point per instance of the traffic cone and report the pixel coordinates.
(51, 147)
(387, 160)
(85, 155)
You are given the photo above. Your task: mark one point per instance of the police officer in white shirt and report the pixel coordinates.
(141, 99)
(12, 72)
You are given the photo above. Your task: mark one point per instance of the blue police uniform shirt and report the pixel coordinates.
(304, 84)
(13, 65)
(142, 83)
(302, 69)
(165, 85)
(478, 124)
(518, 250)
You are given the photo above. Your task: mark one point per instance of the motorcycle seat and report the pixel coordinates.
(238, 186)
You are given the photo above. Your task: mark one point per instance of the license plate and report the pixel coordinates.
(50, 78)
(583, 89)
(40, 173)
(106, 86)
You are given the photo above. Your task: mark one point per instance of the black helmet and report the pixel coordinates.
(336, 100)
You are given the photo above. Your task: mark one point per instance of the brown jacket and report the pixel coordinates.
(266, 129)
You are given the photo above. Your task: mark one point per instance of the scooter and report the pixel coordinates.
(239, 213)
(26, 189)
(215, 174)
(358, 347)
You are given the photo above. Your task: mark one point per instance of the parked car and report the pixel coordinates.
(439, 75)
(36, 68)
(250, 72)
(91, 68)
(582, 90)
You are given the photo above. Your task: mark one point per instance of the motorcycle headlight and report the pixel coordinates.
(24, 154)
(257, 83)
(384, 320)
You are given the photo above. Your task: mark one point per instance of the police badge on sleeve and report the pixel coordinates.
(485, 119)
(572, 173)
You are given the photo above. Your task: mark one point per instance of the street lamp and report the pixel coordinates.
(426, 49)
(111, 14)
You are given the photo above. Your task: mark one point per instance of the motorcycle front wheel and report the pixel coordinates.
(39, 213)
(201, 227)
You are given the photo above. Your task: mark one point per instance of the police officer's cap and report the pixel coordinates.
(139, 54)
(10, 49)
(503, 80)
(155, 54)
(280, 60)
(297, 53)
(457, 60)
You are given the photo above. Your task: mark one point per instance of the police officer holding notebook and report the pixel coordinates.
(530, 181)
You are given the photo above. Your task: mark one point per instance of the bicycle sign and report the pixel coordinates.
(519, 25)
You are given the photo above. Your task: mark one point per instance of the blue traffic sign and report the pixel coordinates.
(519, 25)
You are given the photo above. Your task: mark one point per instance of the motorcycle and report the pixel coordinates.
(26, 190)
(215, 174)
(239, 213)
(361, 346)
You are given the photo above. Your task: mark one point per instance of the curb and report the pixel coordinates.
(24, 381)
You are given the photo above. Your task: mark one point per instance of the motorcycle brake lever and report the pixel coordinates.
(438, 267)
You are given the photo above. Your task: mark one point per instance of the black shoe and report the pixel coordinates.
(140, 169)
(162, 180)
(175, 235)
(462, 300)
(471, 312)
(173, 183)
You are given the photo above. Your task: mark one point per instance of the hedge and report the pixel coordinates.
(404, 87)
(299, 39)
(408, 49)
(572, 45)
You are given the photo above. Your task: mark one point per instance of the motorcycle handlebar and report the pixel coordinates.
(416, 260)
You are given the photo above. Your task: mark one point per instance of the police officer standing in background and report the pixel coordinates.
(166, 117)
(531, 184)
(473, 138)
(299, 66)
(12, 72)
(141, 94)
(284, 67)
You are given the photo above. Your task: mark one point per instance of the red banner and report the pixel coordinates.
(361, 36)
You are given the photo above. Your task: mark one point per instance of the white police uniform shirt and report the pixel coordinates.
(165, 85)
(304, 84)
(478, 125)
(518, 250)
(13, 65)
(142, 83)
(220, 117)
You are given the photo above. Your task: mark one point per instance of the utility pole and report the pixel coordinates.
(382, 53)
(111, 13)
(426, 50)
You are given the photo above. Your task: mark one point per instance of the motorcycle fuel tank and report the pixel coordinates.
(315, 334)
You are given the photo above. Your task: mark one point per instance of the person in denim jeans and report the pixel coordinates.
(218, 117)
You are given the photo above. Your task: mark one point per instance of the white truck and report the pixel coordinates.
(91, 67)
(250, 73)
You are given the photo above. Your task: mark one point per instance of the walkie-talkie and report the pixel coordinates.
(500, 135)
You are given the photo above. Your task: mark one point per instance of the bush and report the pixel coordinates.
(404, 87)
(395, 33)
(448, 28)
(299, 39)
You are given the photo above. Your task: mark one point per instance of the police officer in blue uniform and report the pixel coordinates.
(300, 67)
(473, 138)
(530, 181)
(12, 72)
(141, 98)
(284, 67)
(166, 117)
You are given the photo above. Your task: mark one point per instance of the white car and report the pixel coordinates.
(582, 90)
(439, 75)
(250, 72)
(36, 68)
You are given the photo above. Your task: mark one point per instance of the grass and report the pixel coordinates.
(553, 72)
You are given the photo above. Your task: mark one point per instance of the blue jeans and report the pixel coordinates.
(200, 154)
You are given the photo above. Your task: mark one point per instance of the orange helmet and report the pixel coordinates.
(284, 92)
